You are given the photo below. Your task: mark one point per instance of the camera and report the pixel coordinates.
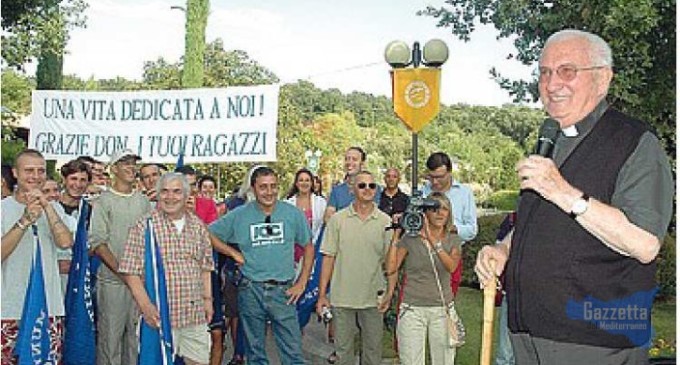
(412, 220)
(326, 315)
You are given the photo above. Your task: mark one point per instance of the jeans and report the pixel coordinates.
(504, 354)
(370, 322)
(260, 302)
(414, 326)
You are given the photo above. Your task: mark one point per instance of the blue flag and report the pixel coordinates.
(79, 332)
(155, 344)
(180, 161)
(33, 340)
(307, 302)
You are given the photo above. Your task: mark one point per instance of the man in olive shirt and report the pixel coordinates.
(115, 212)
(354, 248)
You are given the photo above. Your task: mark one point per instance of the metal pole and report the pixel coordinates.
(414, 162)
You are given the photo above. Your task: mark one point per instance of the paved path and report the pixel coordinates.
(315, 346)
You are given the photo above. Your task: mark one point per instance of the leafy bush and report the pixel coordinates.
(488, 228)
(505, 200)
(665, 270)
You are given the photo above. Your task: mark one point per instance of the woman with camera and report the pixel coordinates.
(427, 308)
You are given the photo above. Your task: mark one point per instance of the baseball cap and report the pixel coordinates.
(121, 154)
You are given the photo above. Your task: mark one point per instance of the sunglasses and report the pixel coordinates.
(363, 185)
(268, 222)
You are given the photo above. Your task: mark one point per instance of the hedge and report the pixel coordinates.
(488, 228)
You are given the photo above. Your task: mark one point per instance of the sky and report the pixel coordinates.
(333, 44)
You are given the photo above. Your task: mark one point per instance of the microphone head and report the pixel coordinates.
(549, 129)
(547, 136)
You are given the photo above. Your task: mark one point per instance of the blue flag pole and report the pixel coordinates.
(307, 302)
(33, 339)
(180, 161)
(79, 332)
(155, 344)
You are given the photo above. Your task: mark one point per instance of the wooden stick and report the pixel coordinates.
(488, 319)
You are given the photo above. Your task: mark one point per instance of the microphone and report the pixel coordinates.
(547, 136)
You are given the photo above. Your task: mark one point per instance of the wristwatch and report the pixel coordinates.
(580, 206)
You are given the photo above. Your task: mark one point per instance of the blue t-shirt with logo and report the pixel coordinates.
(266, 247)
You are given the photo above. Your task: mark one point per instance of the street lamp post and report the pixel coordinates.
(415, 90)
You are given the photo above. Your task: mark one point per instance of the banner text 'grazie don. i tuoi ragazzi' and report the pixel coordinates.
(208, 125)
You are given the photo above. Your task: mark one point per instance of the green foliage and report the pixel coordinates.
(38, 27)
(233, 68)
(641, 34)
(16, 92)
(486, 235)
(505, 200)
(665, 272)
(49, 72)
(11, 145)
(194, 52)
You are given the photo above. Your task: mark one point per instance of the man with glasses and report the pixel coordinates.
(266, 231)
(354, 248)
(440, 166)
(590, 222)
(115, 212)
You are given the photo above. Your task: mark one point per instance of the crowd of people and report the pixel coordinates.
(590, 221)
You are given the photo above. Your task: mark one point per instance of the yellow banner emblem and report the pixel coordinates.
(415, 94)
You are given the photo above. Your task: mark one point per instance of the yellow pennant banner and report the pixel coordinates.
(415, 93)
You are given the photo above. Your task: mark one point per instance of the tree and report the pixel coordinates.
(38, 27)
(194, 47)
(222, 68)
(16, 92)
(641, 34)
(233, 68)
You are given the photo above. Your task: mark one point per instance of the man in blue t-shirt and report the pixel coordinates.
(266, 231)
(341, 195)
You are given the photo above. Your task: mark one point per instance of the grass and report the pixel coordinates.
(663, 322)
(469, 307)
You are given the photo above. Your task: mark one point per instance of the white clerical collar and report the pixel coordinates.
(570, 131)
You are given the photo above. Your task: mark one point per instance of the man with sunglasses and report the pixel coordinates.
(354, 248)
(114, 213)
(266, 231)
(342, 195)
(590, 222)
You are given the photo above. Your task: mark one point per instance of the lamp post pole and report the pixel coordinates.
(415, 91)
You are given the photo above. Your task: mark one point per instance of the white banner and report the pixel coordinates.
(235, 124)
